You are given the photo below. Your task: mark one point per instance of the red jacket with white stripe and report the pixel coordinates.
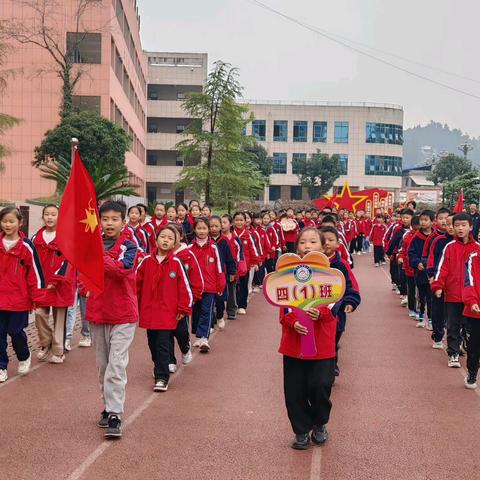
(163, 292)
(274, 239)
(377, 233)
(291, 235)
(21, 276)
(249, 249)
(117, 304)
(214, 279)
(191, 266)
(471, 289)
(281, 236)
(450, 276)
(258, 244)
(403, 253)
(151, 235)
(268, 250)
(57, 271)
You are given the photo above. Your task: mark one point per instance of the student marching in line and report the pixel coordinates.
(182, 219)
(195, 279)
(274, 219)
(251, 258)
(21, 288)
(446, 232)
(159, 218)
(206, 252)
(329, 221)
(134, 214)
(171, 214)
(113, 315)
(291, 235)
(164, 299)
(60, 278)
(449, 281)
(377, 233)
(271, 242)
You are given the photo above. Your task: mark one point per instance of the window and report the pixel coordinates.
(84, 103)
(279, 163)
(179, 161)
(296, 192)
(259, 129)
(384, 133)
(85, 47)
(180, 128)
(299, 131)
(280, 130)
(320, 132)
(341, 132)
(274, 192)
(343, 163)
(297, 158)
(383, 165)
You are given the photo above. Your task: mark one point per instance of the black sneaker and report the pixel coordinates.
(301, 442)
(471, 381)
(114, 429)
(319, 435)
(103, 422)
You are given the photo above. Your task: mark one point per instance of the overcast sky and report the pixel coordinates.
(279, 60)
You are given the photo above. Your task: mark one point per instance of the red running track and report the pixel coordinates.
(398, 411)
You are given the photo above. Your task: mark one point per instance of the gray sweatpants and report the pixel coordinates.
(111, 347)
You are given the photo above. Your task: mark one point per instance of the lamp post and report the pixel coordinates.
(465, 148)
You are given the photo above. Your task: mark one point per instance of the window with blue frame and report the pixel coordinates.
(343, 163)
(259, 129)
(279, 163)
(280, 130)
(384, 133)
(383, 165)
(320, 132)
(300, 131)
(341, 132)
(274, 192)
(297, 158)
(296, 192)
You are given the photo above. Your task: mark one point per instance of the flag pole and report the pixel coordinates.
(73, 146)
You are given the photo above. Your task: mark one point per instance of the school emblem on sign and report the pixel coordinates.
(302, 273)
(172, 274)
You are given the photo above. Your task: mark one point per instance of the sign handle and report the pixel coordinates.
(308, 347)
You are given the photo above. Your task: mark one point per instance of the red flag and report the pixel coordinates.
(459, 207)
(78, 228)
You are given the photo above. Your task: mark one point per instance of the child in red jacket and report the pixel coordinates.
(308, 382)
(214, 280)
(61, 284)
(377, 232)
(21, 284)
(113, 315)
(164, 299)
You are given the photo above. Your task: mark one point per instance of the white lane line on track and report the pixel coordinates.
(99, 451)
(316, 466)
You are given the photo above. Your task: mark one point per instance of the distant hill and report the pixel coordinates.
(439, 137)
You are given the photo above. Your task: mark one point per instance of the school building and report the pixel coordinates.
(113, 83)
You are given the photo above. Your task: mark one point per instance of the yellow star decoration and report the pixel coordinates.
(347, 200)
(90, 220)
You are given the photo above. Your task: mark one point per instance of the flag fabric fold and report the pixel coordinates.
(78, 227)
(459, 207)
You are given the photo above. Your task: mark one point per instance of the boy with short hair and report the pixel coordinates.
(449, 281)
(113, 315)
(376, 235)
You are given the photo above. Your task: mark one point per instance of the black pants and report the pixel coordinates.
(425, 299)
(259, 275)
(159, 343)
(232, 300)
(291, 247)
(394, 269)
(242, 292)
(13, 324)
(455, 322)
(182, 335)
(412, 294)
(473, 344)
(438, 318)
(402, 281)
(307, 386)
(359, 242)
(270, 265)
(351, 247)
(378, 255)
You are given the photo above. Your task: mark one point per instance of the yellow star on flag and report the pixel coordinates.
(90, 220)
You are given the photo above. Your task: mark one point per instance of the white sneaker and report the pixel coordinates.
(472, 384)
(160, 386)
(256, 290)
(212, 330)
(196, 344)
(68, 345)
(204, 346)
(377, 264)
(221, 324)
(438, 345)
(172, 367)
(56, 359)
(394, 286)
(397, 291)
(412, 314)
(454, 361)
(187, 358)
(85, 342)
(43, 353)
(429, 326)
(24, 367)
(3, 375)
(404, 301)
(420, 324)
(242, 311)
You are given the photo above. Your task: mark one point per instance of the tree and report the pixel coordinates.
(6, 121)
(448, 168)
(41, 30)
(260, 157)
(100, 141)
(215, 135)
(469, 182)
(318, 173)
(109, 180)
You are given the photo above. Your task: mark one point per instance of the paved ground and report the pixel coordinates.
(399, 412)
